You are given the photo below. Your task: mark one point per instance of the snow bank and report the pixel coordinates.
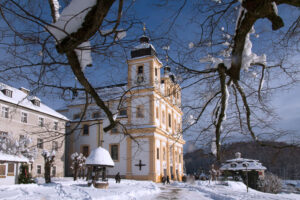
(65, 188)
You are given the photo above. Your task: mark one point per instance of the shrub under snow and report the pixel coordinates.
(271, 184)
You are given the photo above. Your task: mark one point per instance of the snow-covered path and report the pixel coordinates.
(66, 188)
(211, 190)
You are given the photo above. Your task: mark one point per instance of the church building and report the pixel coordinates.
(148, 144)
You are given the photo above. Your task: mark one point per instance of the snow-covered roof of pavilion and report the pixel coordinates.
(100, 157)
(13, 158)
(21, 98)
(240, 163)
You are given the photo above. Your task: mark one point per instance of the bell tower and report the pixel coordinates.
(144, 66)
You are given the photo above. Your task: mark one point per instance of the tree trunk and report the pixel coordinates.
(47, 172)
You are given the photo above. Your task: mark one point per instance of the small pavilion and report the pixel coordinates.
(248, 169)
(97, 162)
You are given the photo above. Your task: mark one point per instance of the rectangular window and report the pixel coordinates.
(115, 129)
(24, 117)
(5, 111)
(139, 112)
(157, 153)
(123, 112)
(155, 71)
(2, 171)
(163, 117)
(85, 129)
(41, 122)
(114, 152)
(40, 143)
(76, 116)
(85, 150)
(55, 126)
(21, 137)
(53, 171)
(140, 69)
(11, 169)
(96, 115)
(3, 134)
(39, 169)
(170, 120)
(55, 145)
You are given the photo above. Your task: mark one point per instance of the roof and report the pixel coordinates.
(110, 92)
(13, 158)
(101, 157)
(20, 98)
(242, 164)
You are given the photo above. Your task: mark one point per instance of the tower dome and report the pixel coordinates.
(144, 48)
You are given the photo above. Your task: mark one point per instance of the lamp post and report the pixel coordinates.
(247, 176)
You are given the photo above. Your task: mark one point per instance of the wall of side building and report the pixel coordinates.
(16, 128)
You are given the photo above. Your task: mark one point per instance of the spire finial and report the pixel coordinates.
(144, 28)
(167, 48)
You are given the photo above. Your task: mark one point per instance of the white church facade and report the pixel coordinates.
(150, 112)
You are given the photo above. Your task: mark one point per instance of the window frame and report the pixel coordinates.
(140, 69)
(10, 173)
(5, 112)
(140, 111)
(55, 126)
(41, 121)
(55, 145)
(82, 150)
(123, 110)
(39, 169)
(118, 151)
(170, 120)
(40, 143)
(53, 170)
(85, 127)
(96, 115)
(24, 117)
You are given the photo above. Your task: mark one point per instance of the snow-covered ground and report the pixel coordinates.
(65, 188)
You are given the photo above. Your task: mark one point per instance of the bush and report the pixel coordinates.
(270, 184)
(24, 176)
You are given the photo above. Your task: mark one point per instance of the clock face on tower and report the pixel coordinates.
(140, 79)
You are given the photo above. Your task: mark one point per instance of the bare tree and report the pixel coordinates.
(48, 47)
(232, 85)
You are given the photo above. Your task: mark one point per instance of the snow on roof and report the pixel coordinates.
(107, 93)
(13, 158)
(100, 156)
(20, 98)
(143, 45)
(242, 164)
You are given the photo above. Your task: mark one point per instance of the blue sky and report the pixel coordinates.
(156, 18)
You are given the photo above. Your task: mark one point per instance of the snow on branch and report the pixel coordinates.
(12, 146)
(71, 18)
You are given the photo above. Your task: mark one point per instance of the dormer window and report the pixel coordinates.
(7, 92)
(140, 69)
(36, 101)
